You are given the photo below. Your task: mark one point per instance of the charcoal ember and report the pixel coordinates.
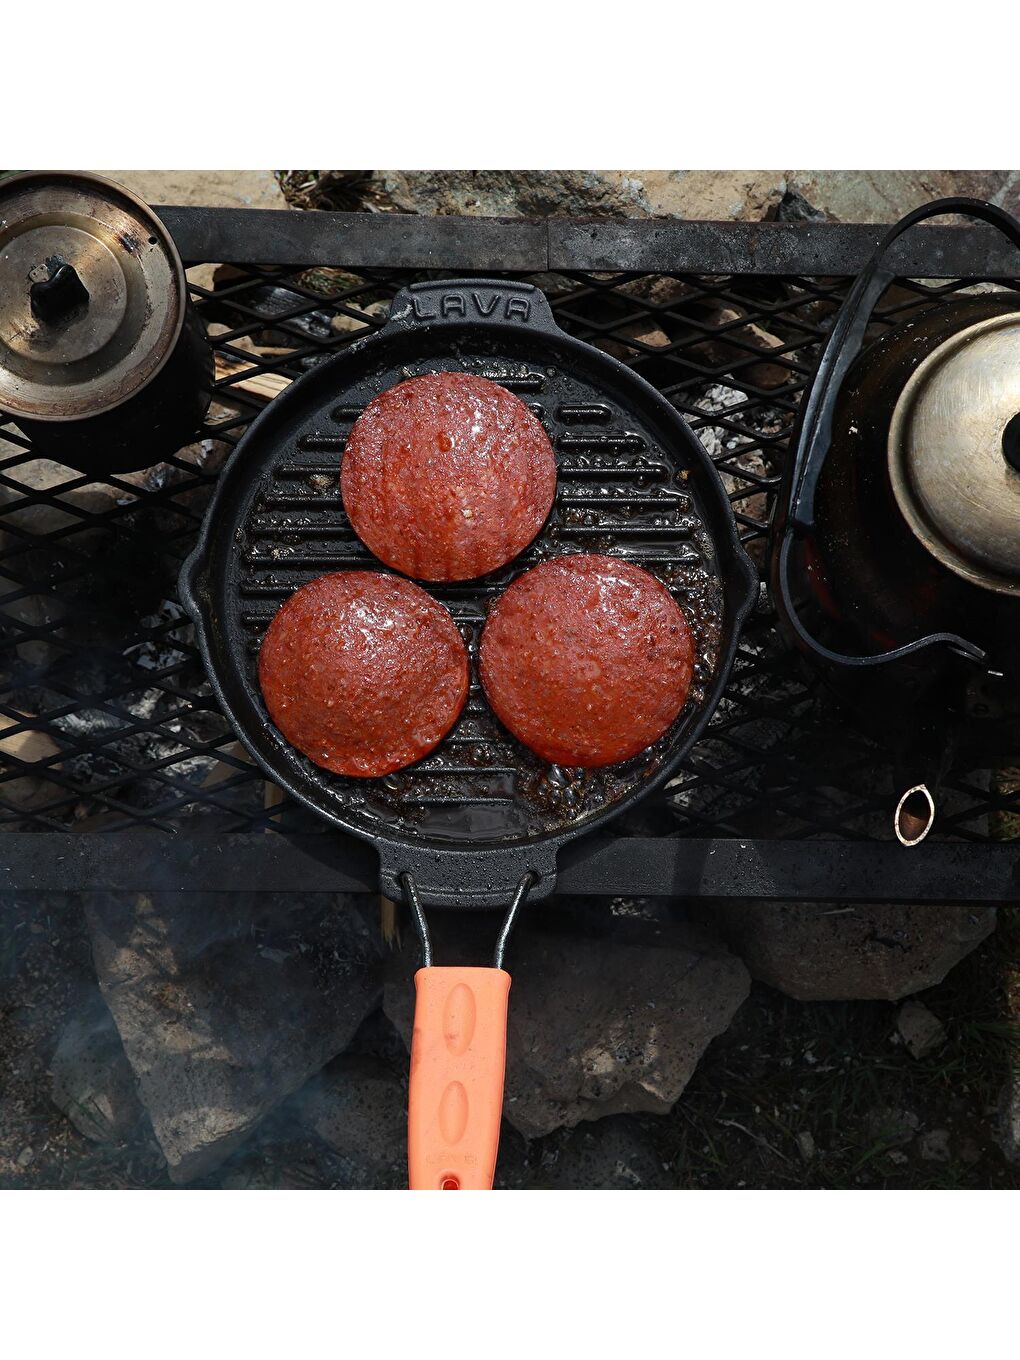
(110, 752)
(129, 745)
(271, 303)
(92, 1080)
(733, 404)
(31, 593)
(734, 445)
(606, 1018)
(358, 1105)
(826, 951)
(81, 560)
(87, 550)
(228, 1003)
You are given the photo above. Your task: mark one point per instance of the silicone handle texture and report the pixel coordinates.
(458, 1062)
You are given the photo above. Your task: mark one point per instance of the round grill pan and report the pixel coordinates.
(480, 811)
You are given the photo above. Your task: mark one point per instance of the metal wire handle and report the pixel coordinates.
(410, 888)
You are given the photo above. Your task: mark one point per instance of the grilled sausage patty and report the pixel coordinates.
(363, 672)
(586, 659)
(447, 476)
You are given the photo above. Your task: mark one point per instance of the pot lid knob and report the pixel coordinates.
(57, 293)
(92, 296)
(954, 453)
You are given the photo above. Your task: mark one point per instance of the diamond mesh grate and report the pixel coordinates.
(107, 721)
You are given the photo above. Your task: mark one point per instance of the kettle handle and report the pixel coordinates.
(815, 432)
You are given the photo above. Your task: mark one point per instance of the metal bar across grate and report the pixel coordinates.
(107, 723)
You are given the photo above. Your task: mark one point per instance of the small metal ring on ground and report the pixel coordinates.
(910, 828)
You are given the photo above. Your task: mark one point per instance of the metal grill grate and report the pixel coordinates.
(107, 717)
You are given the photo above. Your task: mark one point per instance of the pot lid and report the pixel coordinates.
(954, 453)
(92, 295)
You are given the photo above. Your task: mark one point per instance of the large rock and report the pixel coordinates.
(93, 1082)
(711, 195)
(886, 195)
(824, 951)
(922, 1032)
(358, 1105)
(203, 188)
(510, 193)
(227, 1003)
(598, 1026)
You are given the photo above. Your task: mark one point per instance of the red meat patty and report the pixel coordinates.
(447, 476)
(363, 672)
(586, 659)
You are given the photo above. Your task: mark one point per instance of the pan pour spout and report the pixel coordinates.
(458, 1063)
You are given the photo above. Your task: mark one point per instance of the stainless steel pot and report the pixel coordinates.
(102, 361)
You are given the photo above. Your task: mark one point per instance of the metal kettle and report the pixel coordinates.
(896, 556)
(103, 363)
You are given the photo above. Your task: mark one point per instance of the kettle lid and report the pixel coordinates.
(954, 453)
(92, 295)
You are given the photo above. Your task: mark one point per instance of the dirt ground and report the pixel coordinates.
(794, 1095)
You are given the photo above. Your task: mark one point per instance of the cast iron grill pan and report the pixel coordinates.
(633, 482)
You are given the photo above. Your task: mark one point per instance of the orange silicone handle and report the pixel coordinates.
(458, 1061)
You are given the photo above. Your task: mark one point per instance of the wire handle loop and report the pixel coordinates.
(410, 888)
